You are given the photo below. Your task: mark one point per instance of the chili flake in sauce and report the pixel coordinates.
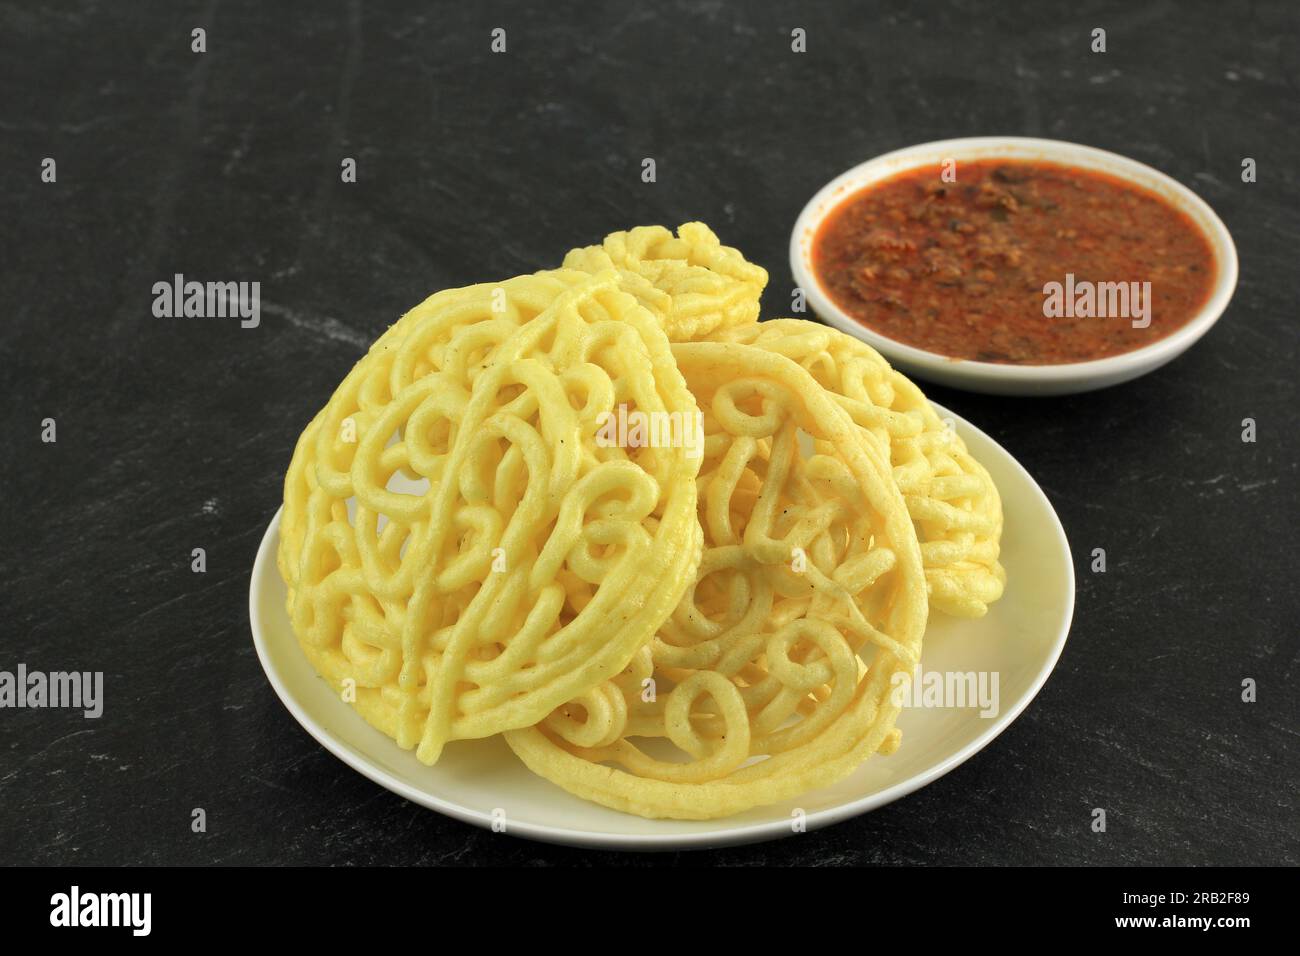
(961, 268)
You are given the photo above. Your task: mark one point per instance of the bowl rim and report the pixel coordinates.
(1062, 152)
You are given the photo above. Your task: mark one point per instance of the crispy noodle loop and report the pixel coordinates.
(460, 551)
(775, 673)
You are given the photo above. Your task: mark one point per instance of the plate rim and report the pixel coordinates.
(593, 839)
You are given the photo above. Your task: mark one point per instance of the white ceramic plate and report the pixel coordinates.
(1020, 639)
(1016, 379)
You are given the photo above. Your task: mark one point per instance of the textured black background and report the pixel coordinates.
(174, 434)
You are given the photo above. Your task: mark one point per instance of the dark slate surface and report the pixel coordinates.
(174, 434)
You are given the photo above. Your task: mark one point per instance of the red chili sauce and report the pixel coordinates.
(962, 268)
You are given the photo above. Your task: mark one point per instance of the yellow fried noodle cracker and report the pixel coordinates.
(692, 282)
(775, 674)
(462, 552)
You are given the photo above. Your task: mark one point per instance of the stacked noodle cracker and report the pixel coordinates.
(666, 633)
(692, 282)
(522, 562)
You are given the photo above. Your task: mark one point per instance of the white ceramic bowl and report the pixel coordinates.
(1016, 379)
